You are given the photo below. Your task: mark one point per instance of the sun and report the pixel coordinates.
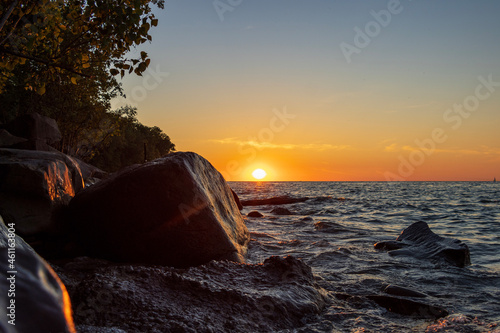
(259, 174)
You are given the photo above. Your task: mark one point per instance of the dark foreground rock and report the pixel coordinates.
(220, 296)
(176, 211)
(33, 298)
(273, 201)
(420, 242)
(33, 185)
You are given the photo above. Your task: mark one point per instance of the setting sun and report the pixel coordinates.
(259, 174)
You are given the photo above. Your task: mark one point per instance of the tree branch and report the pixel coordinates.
(42, 61)
(7, 14)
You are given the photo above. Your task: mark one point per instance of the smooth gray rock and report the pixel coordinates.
(33, 297)
(177, 211)
(420, 242)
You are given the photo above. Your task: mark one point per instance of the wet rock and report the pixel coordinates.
(39, 302)
(408, 307)
(176, 211)
(389, 245)
(420, 242)
(283, 200)
(255, 213)
(237, 200)
(329, 227)
(280, 294)
(41, 132)
(33, 185)
(282, 211)
(401, 291)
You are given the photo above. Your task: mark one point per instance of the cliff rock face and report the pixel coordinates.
(176, 211)
(33, 297)
(33, 184)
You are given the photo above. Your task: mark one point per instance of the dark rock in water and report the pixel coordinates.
(408, 307)
(33, 184)
(282, 211)
(273, 201)
(389, 245)
(420, 242)
(401, 291)
(177, 211)
(255, 213)
(329, 227)
(33, 298)
(41, 132)
(237, 200)
(280, 294)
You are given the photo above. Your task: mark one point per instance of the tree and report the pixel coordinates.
(126, 147)
(63, 39)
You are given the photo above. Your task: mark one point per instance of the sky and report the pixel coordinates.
(328, 90)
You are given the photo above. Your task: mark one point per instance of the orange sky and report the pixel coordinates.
(270, 86)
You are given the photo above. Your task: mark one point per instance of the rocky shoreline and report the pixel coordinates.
(160, 247)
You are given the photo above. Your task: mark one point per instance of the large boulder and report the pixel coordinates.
(40, 131)
(420, 242)
(177, 210)
(279, 295)
(33, 298)
(33, 185)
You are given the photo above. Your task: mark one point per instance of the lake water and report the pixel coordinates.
(363, 213)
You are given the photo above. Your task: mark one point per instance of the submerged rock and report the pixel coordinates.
(176, 211)
(280, 294)
(420, 242)
(34, 299)
(408, 307)
(255, 213)
(402, 291)
(33, 184)
(283, 200)
(282, 211)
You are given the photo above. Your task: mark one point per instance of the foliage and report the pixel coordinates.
(127, 146)
(64, 39)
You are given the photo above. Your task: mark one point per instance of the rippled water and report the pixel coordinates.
(334, 232)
